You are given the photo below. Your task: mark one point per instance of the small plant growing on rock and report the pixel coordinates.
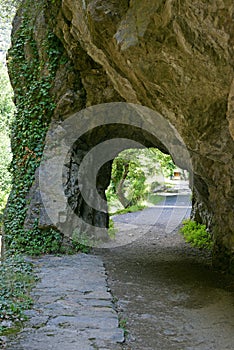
(17, 279)
(111, 230)
(123, 325)
(196, 234)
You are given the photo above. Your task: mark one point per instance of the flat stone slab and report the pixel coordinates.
(73, 307)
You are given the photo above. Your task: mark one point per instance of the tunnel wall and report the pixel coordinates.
(174, 57)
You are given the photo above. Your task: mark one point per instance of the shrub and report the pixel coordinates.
(196, 234)
(17, 279)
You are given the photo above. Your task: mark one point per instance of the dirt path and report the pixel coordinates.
(168, 294)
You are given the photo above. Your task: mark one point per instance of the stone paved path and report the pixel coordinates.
(73, 308)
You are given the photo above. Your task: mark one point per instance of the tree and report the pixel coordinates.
(128, 180)
(166, 163)
(131, 169)
(6, 114)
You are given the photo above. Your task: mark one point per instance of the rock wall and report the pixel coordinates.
(175, 57)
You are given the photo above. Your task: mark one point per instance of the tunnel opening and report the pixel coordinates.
(139, 176)
(147, 190)
(146, 148)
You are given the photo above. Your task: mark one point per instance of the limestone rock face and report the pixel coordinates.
(175, 57)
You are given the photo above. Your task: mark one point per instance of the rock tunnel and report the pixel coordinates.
(171, 57)
(82, 149)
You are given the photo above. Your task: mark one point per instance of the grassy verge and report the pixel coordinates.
(16, 281)
(153, 198)
(131, 209)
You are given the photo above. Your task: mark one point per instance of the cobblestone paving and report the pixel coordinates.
(73, 308)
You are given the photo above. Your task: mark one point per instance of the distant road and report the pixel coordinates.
(170, 212)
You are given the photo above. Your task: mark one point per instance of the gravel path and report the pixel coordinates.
(168, 294)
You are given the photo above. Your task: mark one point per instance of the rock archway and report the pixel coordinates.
(75, 171)
(174, 57)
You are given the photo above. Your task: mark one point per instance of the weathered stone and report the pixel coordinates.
(63, 317)
(230, 110)
(173, 57)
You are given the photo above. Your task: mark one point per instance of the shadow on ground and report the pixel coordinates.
(169, 295)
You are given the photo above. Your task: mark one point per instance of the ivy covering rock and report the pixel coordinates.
(32, 75)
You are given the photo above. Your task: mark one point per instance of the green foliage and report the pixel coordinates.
(80, 242)
(127, 179)
(131, 209)
(154, 185)
(7, 107)
(130, 170)
(34, 242)
(10, 3)
(135, 183)
(16, 280)
(153, 198)
(8, 8)
(6, 115)
(123, 325)
(5, 176)
(196, 234)
(32, 79)
(80, 247)
(111, 229)
(166, 163)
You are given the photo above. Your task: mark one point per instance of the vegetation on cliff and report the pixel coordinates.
(32, 77)
(175, 58)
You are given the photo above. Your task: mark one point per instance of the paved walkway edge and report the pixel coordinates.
(73, 307)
